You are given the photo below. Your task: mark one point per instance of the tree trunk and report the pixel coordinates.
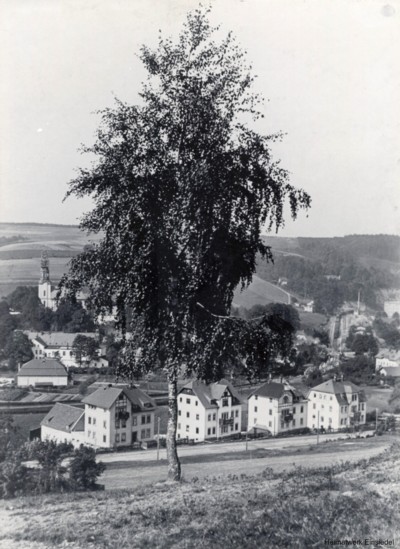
(174, 465)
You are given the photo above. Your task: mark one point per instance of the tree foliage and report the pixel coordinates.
(183, 187)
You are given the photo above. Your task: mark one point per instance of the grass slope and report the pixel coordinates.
(300, 508)
(259, 292)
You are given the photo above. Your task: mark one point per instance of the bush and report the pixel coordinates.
(83, 469)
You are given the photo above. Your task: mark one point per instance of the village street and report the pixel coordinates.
(130, 473)
(225, 447)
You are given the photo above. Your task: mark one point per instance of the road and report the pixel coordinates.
(132, 475)
(224, 447)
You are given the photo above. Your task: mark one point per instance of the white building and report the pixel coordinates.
(43, 371)
(118, 416)
(392, 371)
(336, 404)
(383, 362)
(391, 307)
(276, 407)
(59, 345)
(64, 423)
(208, 411)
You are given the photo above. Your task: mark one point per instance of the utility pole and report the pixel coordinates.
(376, 420)
(158, 438)
(318, 428)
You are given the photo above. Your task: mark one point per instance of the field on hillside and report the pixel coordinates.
(21, 246)
(295, 509)
(259, 292)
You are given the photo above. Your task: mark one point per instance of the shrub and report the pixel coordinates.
(83, 469)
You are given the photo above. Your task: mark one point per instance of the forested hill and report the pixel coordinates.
(312, 267)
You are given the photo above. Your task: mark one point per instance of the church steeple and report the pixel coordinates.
(44, 268)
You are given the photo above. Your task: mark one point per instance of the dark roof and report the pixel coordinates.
(336, 387)
(64, 417)
(391, 370)
(45, 367)
(273, 389)
(106, 396)
(270, 390)
(208, 394)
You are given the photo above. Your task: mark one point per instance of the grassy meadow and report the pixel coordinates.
(296, 509)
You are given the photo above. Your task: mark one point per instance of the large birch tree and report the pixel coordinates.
(183, 188)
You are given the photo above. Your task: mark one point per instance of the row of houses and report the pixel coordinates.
(115, 416)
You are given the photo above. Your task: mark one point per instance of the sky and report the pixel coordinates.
(330, 71)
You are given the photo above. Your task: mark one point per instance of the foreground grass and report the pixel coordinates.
(300, 508)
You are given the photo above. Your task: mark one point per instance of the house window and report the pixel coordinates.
(236, 426)
(294, 410)
(314, 406)
(89, 420)
(123, 437)
(237, 413)
(188, 401)
(255, 409)
(214, 417)
(225, 402)
(301, 421)
(187, 414)
(270, 412)
(256, 397)
(143, 433)
(209, 431)
(197, 430)
(148, 433)
(94, 434)
(179, 426)
(105, 424)
(117, 437)
(179, 413)
(213, 431)
(285, 399)
(270, 399)
(322, 419)
(180, 399)
(209, 417)
(143, 420)
(196, 402)
(301, 409)
(104, 438)
(270, 424)
(134, 421)
(187, 428)
(89, 433)
(197, 417)
(148, 419)
(255, 420)
(294, 423)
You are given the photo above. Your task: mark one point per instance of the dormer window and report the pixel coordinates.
(225, 402)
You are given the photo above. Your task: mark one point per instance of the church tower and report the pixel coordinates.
(44, 282)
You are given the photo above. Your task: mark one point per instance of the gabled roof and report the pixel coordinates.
(106, 396)
(58, 339)
(336, 387)
(43, 367)
(208, 394)
(270, 390)
(65, 418)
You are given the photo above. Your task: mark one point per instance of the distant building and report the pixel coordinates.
(309, 307)
(64, 423)
(47, 292)
(391, 307)
(43, 371)
(332, 277)
(276, 407)
(283, 281)
(383, 362)
(208, 411)
(118, 416)
(336, 404)
(59, 345)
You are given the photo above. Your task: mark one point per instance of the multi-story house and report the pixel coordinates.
(276, 407)
(113, 417)
(118, 416)
(208, 411)
(336, 404)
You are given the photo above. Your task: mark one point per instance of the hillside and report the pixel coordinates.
(21, 245)
(370, 263)
(297, 508)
